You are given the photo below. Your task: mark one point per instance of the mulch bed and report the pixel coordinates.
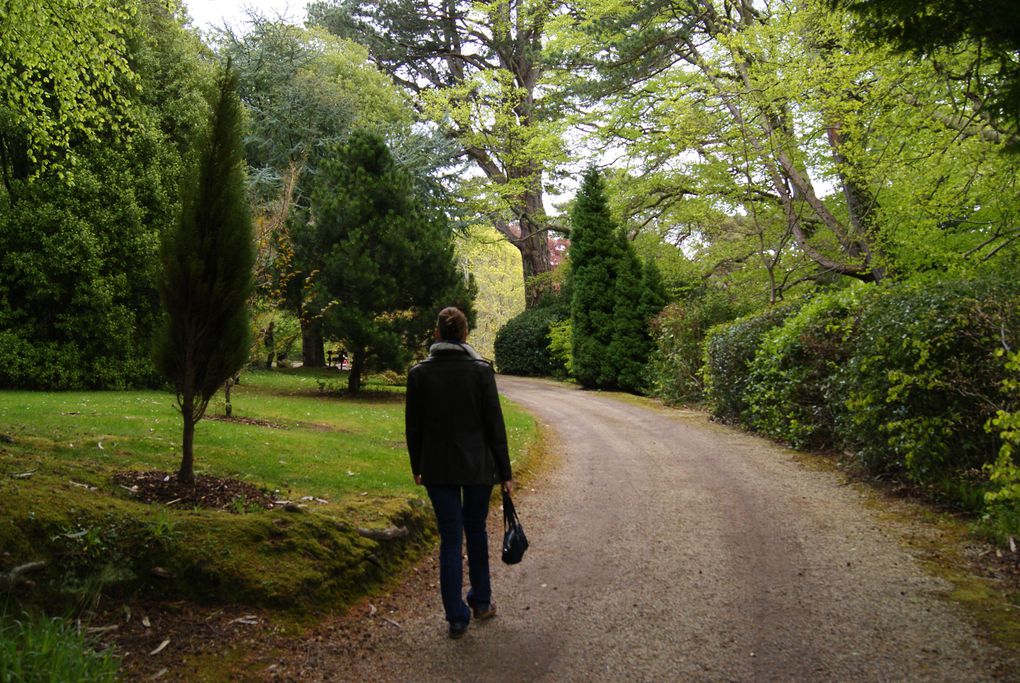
(254, 422)
(230, 495)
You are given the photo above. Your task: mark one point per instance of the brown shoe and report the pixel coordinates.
(484, 611)
(458, 629)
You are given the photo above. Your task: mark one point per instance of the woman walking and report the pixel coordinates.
(457, 443)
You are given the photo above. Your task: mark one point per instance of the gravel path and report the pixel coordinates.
(668, 548)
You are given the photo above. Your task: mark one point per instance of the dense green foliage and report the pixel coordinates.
(790, 389)
(1003, 499)
(37, 649)
(925, 375)
(614, 296)
(911, 378)
(51, 92)
(387, 259)
(596, 260)
(729, 350)
(523, 344)
(679, 332)
(77, 305)
(206, 280)
(988, 28)
(80, 224)
(781, 159)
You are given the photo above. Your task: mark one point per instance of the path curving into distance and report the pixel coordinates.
(668, 548)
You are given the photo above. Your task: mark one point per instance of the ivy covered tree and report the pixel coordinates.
(207, 272)
(387, 258)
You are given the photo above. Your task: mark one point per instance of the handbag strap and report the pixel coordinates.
(509, 512)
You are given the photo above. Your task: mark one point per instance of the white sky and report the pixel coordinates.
(206, 14)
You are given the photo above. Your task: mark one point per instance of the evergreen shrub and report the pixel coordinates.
(729, 349)
(77, 301)
(522, 345)
(790, 390)
(926, 377)
(675, 366)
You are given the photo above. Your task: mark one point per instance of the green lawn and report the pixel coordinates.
(59, 503)
(286, 434)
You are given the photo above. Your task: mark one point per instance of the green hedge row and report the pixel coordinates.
(675, 366)
(522, 345)
(906, 377)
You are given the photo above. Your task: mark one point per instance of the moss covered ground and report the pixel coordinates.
(340, 460)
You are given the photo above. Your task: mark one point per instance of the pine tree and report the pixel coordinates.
(595, 264)
(388, 264)
(207, 272)
(614, 297)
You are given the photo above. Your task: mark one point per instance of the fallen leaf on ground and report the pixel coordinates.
(249, 619)
(161, 647)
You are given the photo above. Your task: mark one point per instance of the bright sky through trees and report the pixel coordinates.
(209, 13)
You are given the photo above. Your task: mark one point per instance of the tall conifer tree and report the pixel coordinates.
(595, 264)
(630, 346)
(207, 272)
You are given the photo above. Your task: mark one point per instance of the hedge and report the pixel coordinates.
(522, 345)
(789, 386)
(926, 376)
(675, 366)
(728, 351)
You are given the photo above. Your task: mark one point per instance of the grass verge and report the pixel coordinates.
(357, 516)
(34, 648)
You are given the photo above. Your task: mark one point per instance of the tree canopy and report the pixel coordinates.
(477, 71)
(64, 72)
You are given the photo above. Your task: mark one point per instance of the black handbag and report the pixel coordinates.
(514, 540)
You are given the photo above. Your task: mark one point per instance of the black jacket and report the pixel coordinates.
(453, 422)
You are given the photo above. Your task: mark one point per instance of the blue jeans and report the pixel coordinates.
(461, 511)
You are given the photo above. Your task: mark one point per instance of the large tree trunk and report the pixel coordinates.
(313, 352)
(861, 203)
(534, 244)
(186, 473)
(357, 367)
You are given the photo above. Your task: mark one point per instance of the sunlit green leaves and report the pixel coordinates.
(64, 72)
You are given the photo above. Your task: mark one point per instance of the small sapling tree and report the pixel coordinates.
(206, 276)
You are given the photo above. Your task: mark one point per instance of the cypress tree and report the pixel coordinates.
(206, 276)
(630, 345)
(595, 264)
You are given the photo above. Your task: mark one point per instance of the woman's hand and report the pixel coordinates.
(508, 486)
(417, 479)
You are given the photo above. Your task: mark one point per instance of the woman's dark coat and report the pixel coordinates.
(453, 421)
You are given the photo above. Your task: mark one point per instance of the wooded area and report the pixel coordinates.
(753, 160)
